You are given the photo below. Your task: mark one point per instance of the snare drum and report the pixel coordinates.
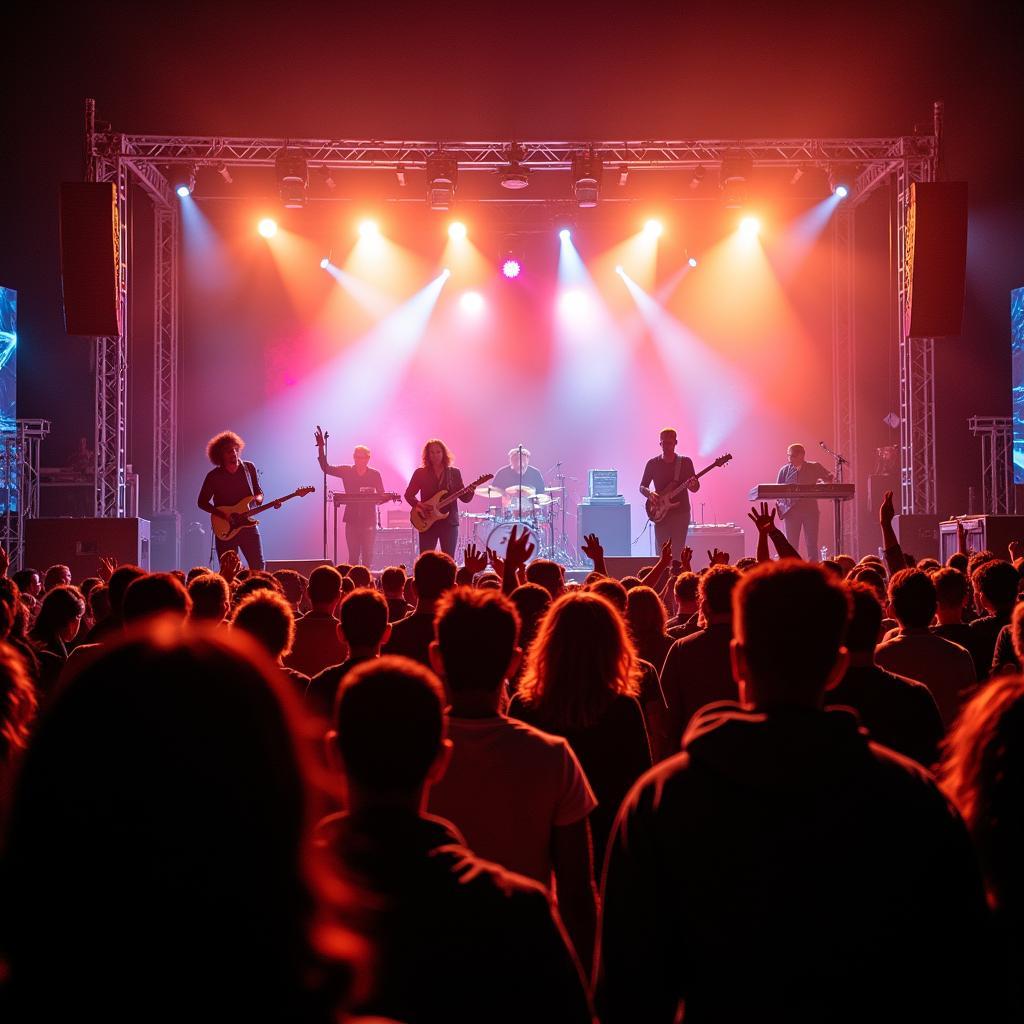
(497, 539)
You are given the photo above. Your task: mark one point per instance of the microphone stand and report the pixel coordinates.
(326, 435)
(837, 516)
(520, 450)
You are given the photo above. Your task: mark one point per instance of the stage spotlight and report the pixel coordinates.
(653, 228)
(292, 178)
(222, 170)
(369, 229)
(699, 173)
(837, 183)
(586, 179)
(514, 177)
(442, 179)
(573, 302)
(456, 231)
(692, 261)
(737, 166)
(325, 263)
(842, 191)
(471, 302)
(511, 268)
(565, 234)
(750, 227)
(267, 227)
(183, 181)
(619, 270)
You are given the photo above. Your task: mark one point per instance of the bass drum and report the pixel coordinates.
(497, 539)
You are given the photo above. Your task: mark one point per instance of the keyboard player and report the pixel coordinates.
(800, 515)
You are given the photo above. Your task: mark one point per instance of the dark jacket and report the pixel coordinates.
(782, 867)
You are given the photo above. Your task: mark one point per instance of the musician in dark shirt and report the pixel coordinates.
(801, 515)
(666, 471)
(360, 518)
(438, 474)
(228, 483)
(509, 476)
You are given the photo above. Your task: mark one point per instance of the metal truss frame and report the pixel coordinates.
(19, 484)
(998, 495)
(115, 156)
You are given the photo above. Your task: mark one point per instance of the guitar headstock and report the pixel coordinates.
(303, 491)
(482, 479)
(723, 459)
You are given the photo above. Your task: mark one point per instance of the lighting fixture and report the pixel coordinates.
(586, 179)
(734, 177)
(442, 179)
(292, 178)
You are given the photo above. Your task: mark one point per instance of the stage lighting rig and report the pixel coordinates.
(442, 180)
(697, 178)
(586, 179)
(222, 170)
(183, 180)
(292, 178)
(838, 184)
(734, 178)
(514, 176)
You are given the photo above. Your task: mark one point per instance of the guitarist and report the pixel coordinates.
(229, 482)
(801, 515)
(360, 519)
(438, 474)
(667, 471)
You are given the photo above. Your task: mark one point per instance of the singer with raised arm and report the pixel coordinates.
(800, 515)
(435, 475)
(674, 478)
(360, 518)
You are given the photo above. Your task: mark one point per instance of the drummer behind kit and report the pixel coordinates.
(521, 508)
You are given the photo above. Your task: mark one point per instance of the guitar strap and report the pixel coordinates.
(248, 478)
(679, 469)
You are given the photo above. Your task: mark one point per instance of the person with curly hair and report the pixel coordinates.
(438, 474)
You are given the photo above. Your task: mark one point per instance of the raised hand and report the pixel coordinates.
(763, 519)
(5, 561)
(474, 560)
(230, 565)
(666, 551)
(497, 562)
(108, 563)
(518, 550)
(716, 557)
(886, 511)
(1016, 549)
(686, 560)
(592, 548)
(320, 437)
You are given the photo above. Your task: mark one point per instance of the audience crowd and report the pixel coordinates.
(768, 790)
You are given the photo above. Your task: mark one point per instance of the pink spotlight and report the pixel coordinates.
(472, 303)
(511, 268)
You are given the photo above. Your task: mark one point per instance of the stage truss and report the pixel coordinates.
(126, 158)
(19, 484)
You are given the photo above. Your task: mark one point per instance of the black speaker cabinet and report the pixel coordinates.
(165, 537)
(395, 547)
(936, 258)
(611, 523)
(918, 534)
(984, 533)
(90, 258)
(81, 543)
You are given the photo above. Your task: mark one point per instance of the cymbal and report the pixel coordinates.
(541, 499)
(477, 515)
(489, 492)
(554, 488)
(516, 489)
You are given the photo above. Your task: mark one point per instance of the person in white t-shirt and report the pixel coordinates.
(517, 794)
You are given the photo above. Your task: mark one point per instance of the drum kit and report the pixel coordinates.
(522, 508)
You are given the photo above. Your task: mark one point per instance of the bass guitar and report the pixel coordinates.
(659, 505)
(239, 516)
(428, 512)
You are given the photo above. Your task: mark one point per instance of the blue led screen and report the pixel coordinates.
(8, 357)
(1017, 347)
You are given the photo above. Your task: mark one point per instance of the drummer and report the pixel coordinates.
(519, 474)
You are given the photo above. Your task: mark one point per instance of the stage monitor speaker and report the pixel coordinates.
(395, 547)
(918, 534)
(81, 543)
(90, 258)
(611, 523)
(301, 565)
(984, 533)
(165, 539)
(936, 254)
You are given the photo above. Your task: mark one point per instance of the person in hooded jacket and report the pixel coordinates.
(784, 867)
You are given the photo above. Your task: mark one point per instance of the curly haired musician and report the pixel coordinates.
(436, 474)
(228, 483)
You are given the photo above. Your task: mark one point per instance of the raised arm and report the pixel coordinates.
(321, 455)
(765, 523)
(894, 557)
(593, 550)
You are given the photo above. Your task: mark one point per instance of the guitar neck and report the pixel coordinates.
(271, 504)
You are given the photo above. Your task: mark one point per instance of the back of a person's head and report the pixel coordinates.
(846, 562)
(912, 598)
(581, 659)
(950, 587)
(645, 614)
(865, 618)
(159, 593)
(477, 633)
(196, 570)
(360, 576)
(791, 621)
(977, 559)
(629, 582)
(685, 587)
(832, 567)
(185, 736)
(958, 560)
(292, 583)
(997, 582)
(266, 616)
(99, 602)
(434, 573)
(389, 724)
(120, 580)
(10, 592)
(872, 577)
(547, 574)
(392, 581)
(211, 597)
(746, 563)
(982, 772)
(24, 578)
(343, 568)
(716, 587)
(611, 590)
(253, 583)
(59, 607)
(531, 601)
(18, 705)
(928, 565)
(324, 585)
(364, 617)
(55, 576)
(86, 586)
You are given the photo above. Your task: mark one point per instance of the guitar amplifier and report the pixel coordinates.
(604, 483)
(395, 547)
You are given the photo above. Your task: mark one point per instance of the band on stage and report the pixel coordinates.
(516, 492)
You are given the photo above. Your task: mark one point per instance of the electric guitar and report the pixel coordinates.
(430, 511)
(659, 505)
(240, 516)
